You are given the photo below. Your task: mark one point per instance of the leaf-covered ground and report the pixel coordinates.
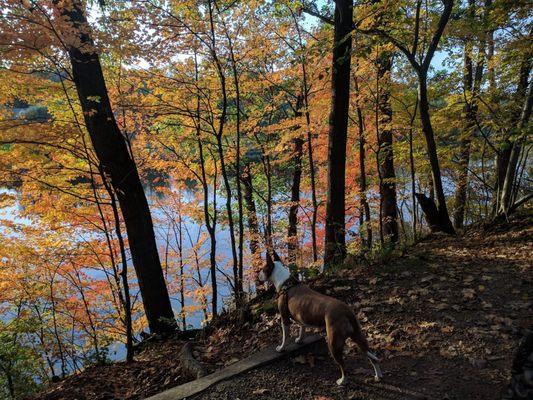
(445, 319)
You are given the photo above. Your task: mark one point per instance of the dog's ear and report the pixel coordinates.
(276, 256)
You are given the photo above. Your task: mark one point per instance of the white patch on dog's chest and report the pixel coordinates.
(279, 275)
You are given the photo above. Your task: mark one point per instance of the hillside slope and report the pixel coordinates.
(445, 318)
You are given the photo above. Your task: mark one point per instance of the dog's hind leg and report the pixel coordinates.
(336, 346)
(359, 338)
(374, 360)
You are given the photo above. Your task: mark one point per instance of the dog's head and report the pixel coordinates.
(269, 265)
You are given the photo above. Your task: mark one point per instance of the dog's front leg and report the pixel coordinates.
(285, 333)
(300, 334)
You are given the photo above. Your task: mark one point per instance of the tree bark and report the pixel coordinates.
(471, 86)
(335, 245)
(412, 169)
(210, 220)
(251, 211)
(506, 201)
(116, 161)
(364, 208)
(292, 230)
(510, 150)
(237, 285)
(387, 187)
(310, 157)
(443, 222)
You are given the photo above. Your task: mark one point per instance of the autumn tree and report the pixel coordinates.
(335, 248)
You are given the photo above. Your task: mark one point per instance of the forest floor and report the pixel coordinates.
(445, 318)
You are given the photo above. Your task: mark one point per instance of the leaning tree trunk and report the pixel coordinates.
(507, 199)
(504, 156)
(439, 220)
(112, 152)
(387, 187)
(335, 245)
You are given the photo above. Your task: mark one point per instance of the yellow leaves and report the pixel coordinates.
(6, 200)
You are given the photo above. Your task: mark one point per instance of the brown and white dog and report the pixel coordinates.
(308, 308)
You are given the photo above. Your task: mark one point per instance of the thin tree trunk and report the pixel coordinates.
(292, 232)
(251, 210)
(124, 277)
(238, 158)
(182, 268)
(335, 245)
(508, 189)
(220, 148)
(364, 208)
(506, 159)
(412, 169)
(116, 161)
(440, 221)
(471, 85)
(296, 158)
(314, 202)
(386, 159)
(210, 221)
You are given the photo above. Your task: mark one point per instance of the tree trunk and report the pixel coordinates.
(251, 212)
(124, 277)
(116, 161)
(412, 169)
(237, 285)
(466, 139)
(296, 159)
(507, 200)
(210, 221)
(364, 208)
(442, 223)
(238, 158)
(292, 232)
(471, 86)
(253, 225)
(303, 62)
(335, 246)
(387, 187)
